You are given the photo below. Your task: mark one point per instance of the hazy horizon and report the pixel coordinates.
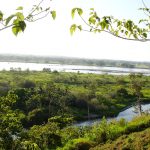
(69, 57)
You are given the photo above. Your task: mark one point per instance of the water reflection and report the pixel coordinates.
(127, 114)
(71, 68)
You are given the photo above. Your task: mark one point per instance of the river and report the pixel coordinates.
(127, 114)
(71, 68)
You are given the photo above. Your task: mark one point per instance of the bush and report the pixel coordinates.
(28, 84)
(78, 144)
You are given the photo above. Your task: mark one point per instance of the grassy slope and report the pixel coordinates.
(133, 141)
(115, 135)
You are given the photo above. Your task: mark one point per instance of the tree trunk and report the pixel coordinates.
(88, 112)
(139, 106)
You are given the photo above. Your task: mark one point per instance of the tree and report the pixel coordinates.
(124, 29)
(17, 21)
(10, 122)
(136, 84)
(45, 136)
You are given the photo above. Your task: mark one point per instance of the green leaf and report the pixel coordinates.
(73, 12)
(80, 11)
(80, 27)
(22, 25)
(135, 36)
(107, 26)
(73, 29)
(96, 30)
(16, 30)
(20, 16)
(92, 20)
(144, 35)
(20, 8)
(118, 23)
(126, 32)
(53, 14)
(19, 26)
(116, 32)
(9, 19)
(129, 25)
(122, 31)
(103, 25)
(16, 22)
(1, 16)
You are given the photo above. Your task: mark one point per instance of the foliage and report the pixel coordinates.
(45, 136)
(78, 144)
(48, 94)
(137, 83)
(38, 108)
(62, 121)
(133, 141)
(10, 121)
(104, 132)
(17, 21)
(124, 29)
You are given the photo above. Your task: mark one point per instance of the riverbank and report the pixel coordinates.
(19, 66)
(127, 113)
(111, 135)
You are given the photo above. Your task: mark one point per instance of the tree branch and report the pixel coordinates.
(39, 18)
(30, 14)
(145, 6)
(6, 27)
(112, 33)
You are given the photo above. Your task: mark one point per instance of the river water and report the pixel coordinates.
(127, 114)
(71, 68)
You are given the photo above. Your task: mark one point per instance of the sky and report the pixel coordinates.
(52, 38)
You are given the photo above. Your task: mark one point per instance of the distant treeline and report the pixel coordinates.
(73, 61)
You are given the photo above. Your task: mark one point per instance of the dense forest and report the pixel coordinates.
(73, 61)
(38, 110)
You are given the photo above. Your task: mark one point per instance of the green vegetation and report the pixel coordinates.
(47, 92)
(124, 29)
(101, 135)
(37, 109)
(18, 20)
(132, 141)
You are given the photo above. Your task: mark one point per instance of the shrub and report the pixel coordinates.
(28, 84)
(78, 144)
